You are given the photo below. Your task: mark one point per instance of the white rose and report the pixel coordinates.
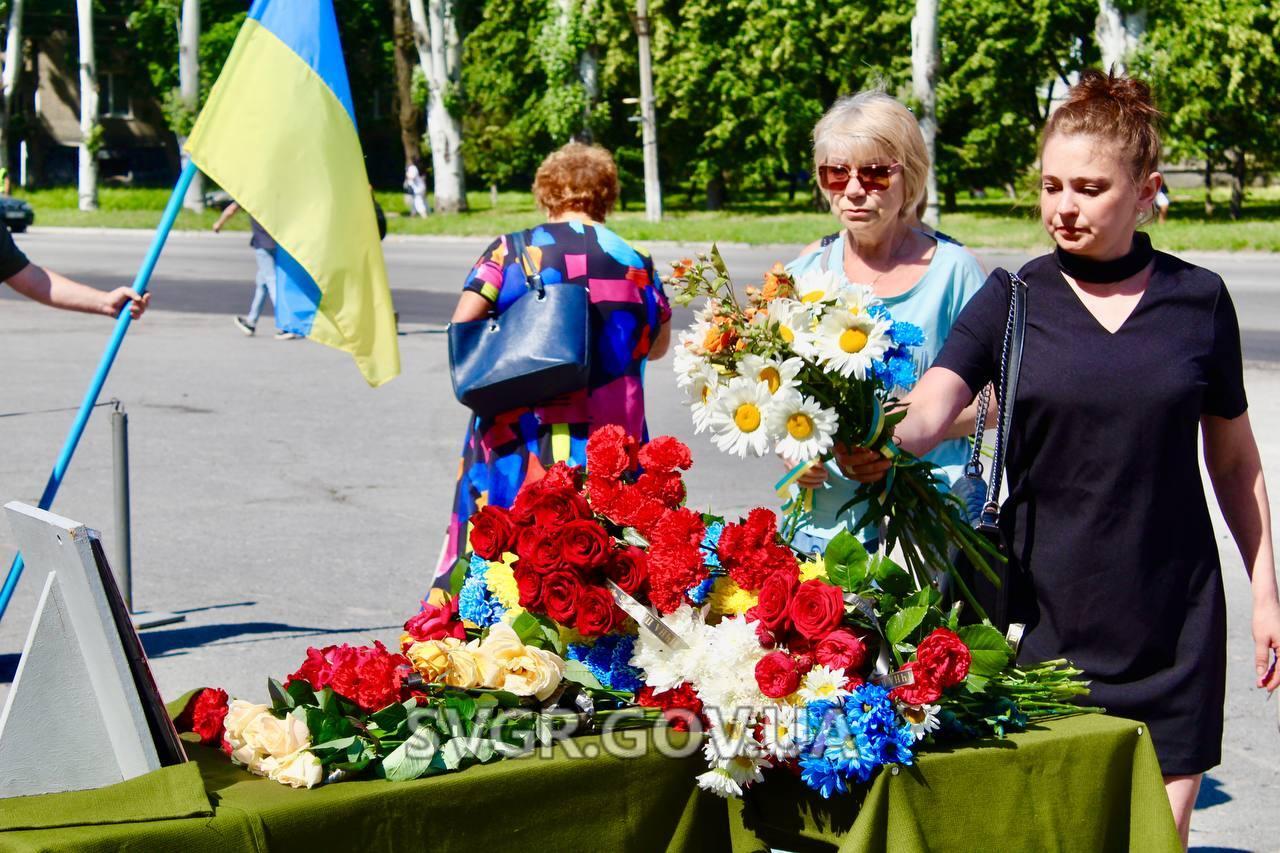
(301, 770)
(239, 715)
(278, 737)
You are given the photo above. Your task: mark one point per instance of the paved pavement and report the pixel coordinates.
(279, 502)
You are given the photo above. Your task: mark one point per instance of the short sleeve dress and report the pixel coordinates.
(628, 308)
(1113, 561)
(12, 260)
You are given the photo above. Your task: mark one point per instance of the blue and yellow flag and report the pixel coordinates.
(279, 134)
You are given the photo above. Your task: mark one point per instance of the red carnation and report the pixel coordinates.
(369, 676)
(774, 602)
(562, 475)
(945, 656)
(816, 608)
(492, 532)
(923, 691)
(605, 495)
(673, 570)
(666, 488)
(611, 452)
(317, 669)
(560, 592)
(750, 551)
(777, 676)
(681, 525)
(841, 649)
(628, 568)
(680, 705)
(435, 622)
(204, 714)
(529, 584)
(665, 454)
(596, 612)
(584, 545)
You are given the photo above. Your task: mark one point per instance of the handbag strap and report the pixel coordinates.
(532, 274)
(1006, 393)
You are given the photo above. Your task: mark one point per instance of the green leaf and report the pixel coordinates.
(301, 692)
(330, 745)
(924, 597)
(536, 631)
(280, 698)
(412, 758)
(989, 649)
(464, 752)
(459, 575)
(902, 623)
(844, 550)
(577, 672)
(891, 577)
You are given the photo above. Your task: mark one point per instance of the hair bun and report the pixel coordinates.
(1114, 107)
(1128, 93)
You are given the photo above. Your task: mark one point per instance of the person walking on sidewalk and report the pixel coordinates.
(264, 284)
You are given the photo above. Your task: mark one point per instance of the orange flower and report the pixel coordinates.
(777, 282)
(719, 338)
(682, 268)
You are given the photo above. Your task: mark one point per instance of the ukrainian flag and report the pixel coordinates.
(279, 134)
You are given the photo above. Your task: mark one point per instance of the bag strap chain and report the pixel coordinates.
(1007, 377)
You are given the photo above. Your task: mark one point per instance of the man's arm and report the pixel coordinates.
(228, 212)
(50, 288)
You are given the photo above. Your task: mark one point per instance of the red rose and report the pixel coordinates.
(204, 714)
(540, 550)
(597, 614)
(529, 584)
(628, 568)
(665, 454)
(923, 691)
(492, 532)
(584, 545)
(434, 623)
(611, 452)
(777, 676)
(945, 656)
(550, 507)
(560, 596)
(666, 488)
(816, 608)
(774, 602)
(841, 649)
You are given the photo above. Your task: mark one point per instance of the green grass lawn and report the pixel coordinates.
(990, 222)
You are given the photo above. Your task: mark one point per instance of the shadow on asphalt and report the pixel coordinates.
(163, 643)
(1211, 794)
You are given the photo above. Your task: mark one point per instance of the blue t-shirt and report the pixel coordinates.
(933, 303)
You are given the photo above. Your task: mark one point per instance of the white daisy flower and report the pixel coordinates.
(731, 733)
(857, 298)
(703, 387)
(780, 376)
(823, 683)
(923, 719)
(806, 429)
(738, 416)
(719, 782)
(795, 325)
(781, 732)
(817, 286)
(745, 769)
(850, 343)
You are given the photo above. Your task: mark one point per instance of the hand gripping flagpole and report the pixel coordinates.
(104, 367)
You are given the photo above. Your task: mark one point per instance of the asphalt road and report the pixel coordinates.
(278, 502)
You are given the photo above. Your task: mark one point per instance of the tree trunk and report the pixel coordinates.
(924, 73)
(407, 110)
(1118, 33)
(949, 198)
(435, 33)
(649, 122)
(12, 65)
(90, 132)
(1208, 187)
(189, 88)
(715, 192)
(1238, 179)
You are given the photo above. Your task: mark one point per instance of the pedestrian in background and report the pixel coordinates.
(264, 283)
(49, 288)
(415, 189)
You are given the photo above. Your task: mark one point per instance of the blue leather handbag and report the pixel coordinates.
(537, 349)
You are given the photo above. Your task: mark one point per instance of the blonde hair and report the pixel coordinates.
(577, 177)
(872, 124)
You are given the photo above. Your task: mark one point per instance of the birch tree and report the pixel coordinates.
(90, 129)
(924, 73)
(1118, 31)
(12, 65)
(435, 33)
(189, 92)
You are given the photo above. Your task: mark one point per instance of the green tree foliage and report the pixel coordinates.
(1216, 73)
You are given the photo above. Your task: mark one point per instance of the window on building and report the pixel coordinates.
(113, 96)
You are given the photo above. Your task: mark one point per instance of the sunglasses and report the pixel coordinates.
(872, 177)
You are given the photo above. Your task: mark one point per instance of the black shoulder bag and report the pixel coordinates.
(995, 600)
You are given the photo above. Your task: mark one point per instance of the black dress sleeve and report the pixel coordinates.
(972, 348)
(12, 260)
(1224, 397)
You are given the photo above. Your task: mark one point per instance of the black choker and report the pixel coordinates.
(1107, 272)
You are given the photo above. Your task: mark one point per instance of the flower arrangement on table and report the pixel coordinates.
(799, 365)
(599, 593)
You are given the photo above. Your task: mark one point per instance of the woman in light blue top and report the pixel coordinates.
(872, 165)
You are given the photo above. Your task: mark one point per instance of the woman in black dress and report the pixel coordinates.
(1129, 355)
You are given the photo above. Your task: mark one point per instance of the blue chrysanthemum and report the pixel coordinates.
(868, 709)
(906, 334)
(709, 542)
(475, 603)
(822, 776)
(898, 747)
(902, 372)
(609, 660)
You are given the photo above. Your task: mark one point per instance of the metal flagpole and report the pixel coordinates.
(104, 367)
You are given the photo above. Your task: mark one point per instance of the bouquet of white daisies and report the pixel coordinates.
(798, 365)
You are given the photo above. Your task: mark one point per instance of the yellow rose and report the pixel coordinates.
(535, 672)
(300, 770)
(431, 658)
(239, 715)
(278, 738)
(502, 642)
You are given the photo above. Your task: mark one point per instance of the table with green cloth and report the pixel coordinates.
(1080, 783)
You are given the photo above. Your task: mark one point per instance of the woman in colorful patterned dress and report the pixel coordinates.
(577, 187)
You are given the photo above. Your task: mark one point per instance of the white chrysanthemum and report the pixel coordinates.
(738, 418)
(923, 719)
(803, 429)
(725, 676)
(795, 324)
(817, 286)
(781, 732)
(823, 683)
(780, 376)
(665, 667)
(719, 782)
(703, 388)
(850, 343)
